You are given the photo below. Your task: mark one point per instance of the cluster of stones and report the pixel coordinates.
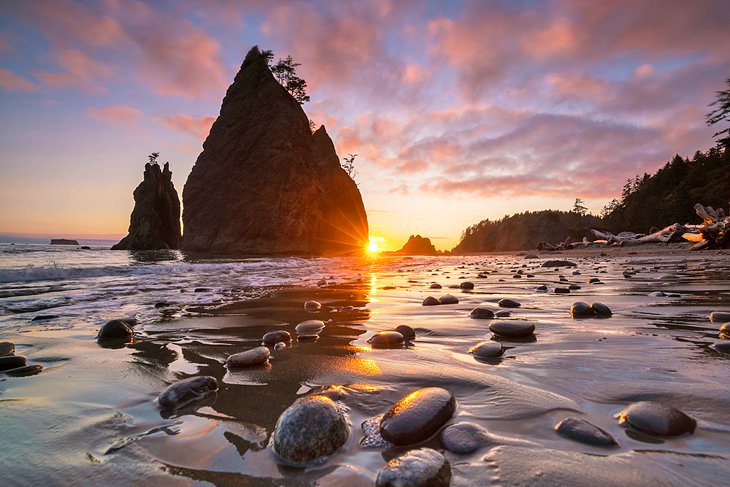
(15, 365)
(594, 310)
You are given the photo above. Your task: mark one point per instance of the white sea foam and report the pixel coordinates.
(93, 286)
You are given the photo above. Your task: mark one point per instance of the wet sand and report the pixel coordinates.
(90, 416)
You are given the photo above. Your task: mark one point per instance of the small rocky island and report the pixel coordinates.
(264, 183)
(155, 220)
(417, 245)
(63, 241)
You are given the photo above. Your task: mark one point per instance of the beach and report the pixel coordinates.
(91, 417)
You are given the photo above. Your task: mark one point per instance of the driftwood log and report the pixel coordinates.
(713, 233)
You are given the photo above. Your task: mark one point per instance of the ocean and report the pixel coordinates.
(62, 284)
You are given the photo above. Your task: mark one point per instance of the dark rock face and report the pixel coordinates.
(274, 337)
(155, 221)
(512, 329)
(386, 339)
(464, 437)
(311, 428)
(657, 419)
(422, 467)
(264, 184)
(481, 314)
(486, 350)
(114, 329)
(418, 416)
(417, 245)
(186, 391)
(12, 362)
(582, 431)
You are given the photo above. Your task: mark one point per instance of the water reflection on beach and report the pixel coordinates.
(107, 425)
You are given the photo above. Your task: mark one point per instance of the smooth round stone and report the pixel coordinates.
(657, 419)
(464, 437)
(312, 306)
(386, 339)
(722, 346)
(503, 313)
(274, 337)
(114, 329)
(430, 301)
(12, 362)
(417, 468)
(185, 391)
(517, 276)
(6, 348)
(657, 294)
(435, 285)
(255, 356)
(279, 346)
(541, 289)
(486, 350)
(481, 314)
(601, 310)
(512, 329)
(582, 431)
(448, 299)
(310, 429)
(562, 290)
(26, 371)
(574, 287)
(417, 416)
(581, 310)
(594, 280)
(508, 303)
(407, 332)
(466, 285)
(309, 327)
(719, 317)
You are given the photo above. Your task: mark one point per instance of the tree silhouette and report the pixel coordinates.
(579, 208)
(348, 164)
(722, 112)
(153, 157)
(285, 72)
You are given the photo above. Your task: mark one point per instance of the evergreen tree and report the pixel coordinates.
(721, 113)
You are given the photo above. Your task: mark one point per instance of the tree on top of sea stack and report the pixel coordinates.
(264, 183)
(155, 220)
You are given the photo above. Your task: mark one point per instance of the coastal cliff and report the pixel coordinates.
(264, 184)
(155, 220)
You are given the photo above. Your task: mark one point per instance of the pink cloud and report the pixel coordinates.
(14, 82)
(91, 42)
(115, 113)
(198, 127)
(79, 71)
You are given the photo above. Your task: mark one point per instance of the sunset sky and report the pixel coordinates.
(458, 111)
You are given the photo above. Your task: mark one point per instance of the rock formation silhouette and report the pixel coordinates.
(155, 220)
(264, 184)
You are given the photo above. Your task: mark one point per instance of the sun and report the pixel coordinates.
(373, 246)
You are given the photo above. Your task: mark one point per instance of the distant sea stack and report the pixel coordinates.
(418, 245)
(155, 221)
(264, 184)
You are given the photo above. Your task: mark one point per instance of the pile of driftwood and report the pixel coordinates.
(713, 233)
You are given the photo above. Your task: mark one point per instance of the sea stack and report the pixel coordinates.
(418, 245)
(155, 221)
(264, 183)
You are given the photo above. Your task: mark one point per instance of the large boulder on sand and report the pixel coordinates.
(264, 183)
(155, 221)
